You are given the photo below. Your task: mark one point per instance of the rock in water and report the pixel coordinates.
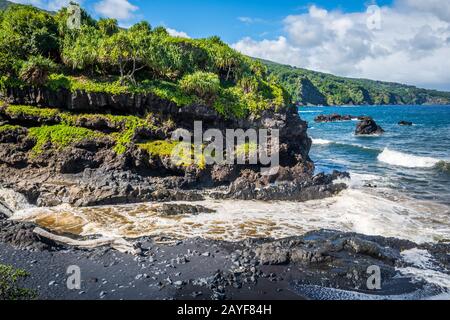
(405, 123)
(171, 209)
(333, 118)
(367, 127)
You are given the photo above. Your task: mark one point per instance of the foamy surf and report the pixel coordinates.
(13, 201)
(323, 293)
(321, 141)
(400, 159)
(423, 267)
(352, 211)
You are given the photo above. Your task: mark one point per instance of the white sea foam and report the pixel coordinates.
(354, 210)
(13, 200)
(323, 293)
(423, 267)
(321, 141)
(396, 158)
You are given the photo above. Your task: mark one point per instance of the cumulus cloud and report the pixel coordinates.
(50, 5)
(117, 9)
(411, 44)
(176, 33)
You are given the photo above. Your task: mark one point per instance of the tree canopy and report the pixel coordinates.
(34, 43)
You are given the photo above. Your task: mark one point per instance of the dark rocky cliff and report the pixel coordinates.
(90, 172)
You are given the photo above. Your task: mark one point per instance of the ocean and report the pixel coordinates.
(415, 160)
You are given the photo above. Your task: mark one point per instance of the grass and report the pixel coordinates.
(181, 153)
(60, 136)
(227, 101)
(44, 113)
(126, 125)
(8, 127)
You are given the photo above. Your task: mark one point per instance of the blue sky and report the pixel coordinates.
(232, 19)
(405, 41)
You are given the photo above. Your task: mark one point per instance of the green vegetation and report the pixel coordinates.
(9, 284)
(182, 153)
(42, 113)
(38, 48)
(59, 136)
(125, 126)
(35, 71)
(160, 148)
(309, 87)
(247, 149)
(8, 127)
(205, 85)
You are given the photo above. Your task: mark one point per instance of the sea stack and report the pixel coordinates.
(368, 126)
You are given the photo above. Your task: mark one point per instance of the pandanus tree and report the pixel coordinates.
(36, 70)
(108, 26)
(125, 50)
(81, 48)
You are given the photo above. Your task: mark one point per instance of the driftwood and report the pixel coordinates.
(117, 243)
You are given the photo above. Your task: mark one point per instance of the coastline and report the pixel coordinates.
(199, 269)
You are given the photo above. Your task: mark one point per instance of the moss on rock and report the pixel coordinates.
(60, 136)
(181, 153)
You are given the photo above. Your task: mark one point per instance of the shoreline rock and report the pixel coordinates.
(90, 172)
(368, 127)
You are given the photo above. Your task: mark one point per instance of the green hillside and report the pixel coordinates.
(37, 48)
(4, 4)
(316, 88)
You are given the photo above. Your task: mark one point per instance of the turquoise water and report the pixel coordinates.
(413, 160)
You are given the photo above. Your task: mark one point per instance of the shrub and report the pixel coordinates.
(36, 70)
(81, 50)
(26, 31)
(9, 287)
(203, 84)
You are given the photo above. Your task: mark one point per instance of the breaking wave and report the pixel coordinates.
(324, 142)
(321, 141)
(400, 159)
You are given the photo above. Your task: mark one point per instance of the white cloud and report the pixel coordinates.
(50, 5)
(412, 45)
(439, 8)
(250, 20)
(117, 9)
(176, 33)
(277, 50)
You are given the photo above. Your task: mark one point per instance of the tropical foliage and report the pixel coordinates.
(39, 48)
(10, 288)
